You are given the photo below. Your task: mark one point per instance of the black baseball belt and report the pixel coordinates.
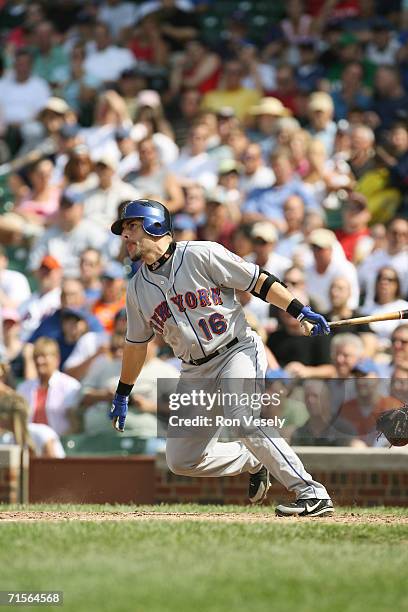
(221, 350)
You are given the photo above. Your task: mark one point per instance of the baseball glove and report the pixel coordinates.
(393, 424)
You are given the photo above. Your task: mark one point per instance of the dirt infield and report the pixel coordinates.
(60, 516)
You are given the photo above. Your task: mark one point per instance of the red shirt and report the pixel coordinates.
(349, 241)
(40, 414)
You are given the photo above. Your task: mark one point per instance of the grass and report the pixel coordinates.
(161, 566)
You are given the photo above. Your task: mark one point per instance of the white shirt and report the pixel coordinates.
(68, 246)
(86, 347)
(276, 264)
(101, 205)
(318, 285)
(384, 329)
(117, 17)
(21, 102)
(107, 65)
(15, 286)
(40, 434)
(62, 394)
(33, 310)
(262, 178)
(199, 168)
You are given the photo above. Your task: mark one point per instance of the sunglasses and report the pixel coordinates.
(391, 279)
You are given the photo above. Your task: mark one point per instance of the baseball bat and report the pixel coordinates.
(388, 316)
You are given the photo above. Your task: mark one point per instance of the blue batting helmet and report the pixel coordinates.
(156, 218)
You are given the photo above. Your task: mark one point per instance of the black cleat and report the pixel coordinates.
(258, 486)
(306, 507)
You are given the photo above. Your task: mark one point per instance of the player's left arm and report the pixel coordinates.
(272, 290)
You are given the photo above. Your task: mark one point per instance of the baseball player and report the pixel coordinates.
(186, 292)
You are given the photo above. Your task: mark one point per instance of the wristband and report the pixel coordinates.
(295, 309)
(124, 389)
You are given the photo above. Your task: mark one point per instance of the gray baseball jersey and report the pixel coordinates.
(194, 308)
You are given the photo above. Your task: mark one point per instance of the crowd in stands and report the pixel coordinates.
(280, 132)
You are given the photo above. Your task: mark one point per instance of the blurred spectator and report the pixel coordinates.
(107, 61)
(39, 439)
(339, 295)
(112, 298)
(178, 24)
(46, 300)
(387, 298)
(37, 205)
(50, 58)
(78, 344)
(184, 228)
(399, 353)
(354, 236)
(264, 239)
(13, 344)
(362, 153)
(322, 126)
(185, 114)
(230, 92)
(286, 87)
(257, 75)
(325, 268)
(347, 350)
(308, 72)
(129, 157)
(78, 87)
(319, 429)
(194, 163)
(395, 254)
(110, 114)
(292, 237)
(383, 47)
(130, 83)
(69, 237)
(195, 203)
(264, 131)
(90, 267)
(323, 177)
(218, 226)
(79, 173)
(351, 93)
(255, 175)
(14, 287)
(390, 101)
(72, 296)
(117, 15)
(197, 68)
(147, 42)
(42, 133)
(22, 94)
(101, 203)
(150, 115)
(52, 394)
(153, 179)
(362, 412)
(268, 203)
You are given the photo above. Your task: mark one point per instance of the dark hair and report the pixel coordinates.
(398, 283)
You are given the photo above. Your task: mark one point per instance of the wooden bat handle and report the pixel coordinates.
(390, 316)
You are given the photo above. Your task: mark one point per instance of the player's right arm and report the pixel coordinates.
(272, 290)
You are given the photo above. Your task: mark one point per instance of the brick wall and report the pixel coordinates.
(363, 477)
